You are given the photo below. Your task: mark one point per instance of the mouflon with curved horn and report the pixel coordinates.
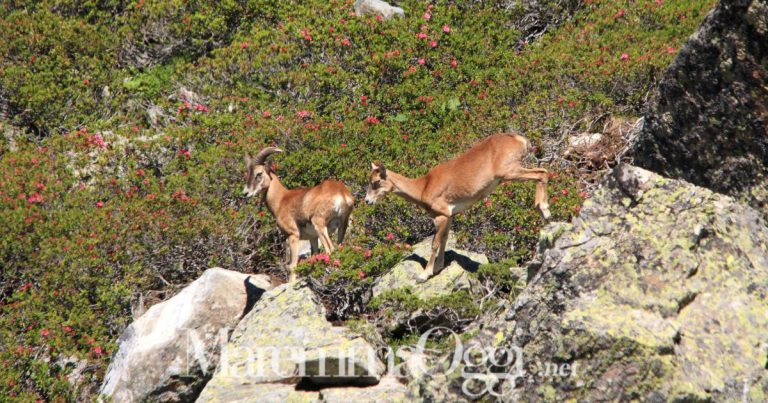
(307, 213)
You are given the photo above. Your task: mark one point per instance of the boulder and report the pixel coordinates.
(261, 392)
(170, 352)
(708, 120)
(388, 390)
(287, 340)
(410, 272)
(377, 7)
(658, 291)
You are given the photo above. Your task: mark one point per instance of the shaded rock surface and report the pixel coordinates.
(286, 340)
(169, 353)
(708, 121)
(658, 291)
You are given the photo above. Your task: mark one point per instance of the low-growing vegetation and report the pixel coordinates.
(125, 123)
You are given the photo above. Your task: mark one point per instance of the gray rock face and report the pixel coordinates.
(286, 340)
(169, 353)
(377, 7)
(658, 291)
(708, 121)
(410, 272)
(388, 390)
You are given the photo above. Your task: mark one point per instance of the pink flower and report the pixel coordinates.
(446, 29)
(658, 2)
(67, 329)
(421, 35)
(346, 42)
(97, 140)
(44, 333)
(454, 63)
(337, 263)
(98, 351)
(99, 204)
(363, 100)
(266, 114)
(35, 198)
(584, 195)
(670, 50)
(184, 153)
(427, 16)
(488, 203)
(304, 114)
(624, 56)
(390, 236)
(361, 274)
(433, 44)
(565, 192)
(620, 13)
(421, 61)
(367, 253)
(306, 35)
(343, 145)
(407, 246)
(372, 120)
(243, 45)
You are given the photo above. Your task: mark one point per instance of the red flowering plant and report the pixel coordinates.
(343, 278)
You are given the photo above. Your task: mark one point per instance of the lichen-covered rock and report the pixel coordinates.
(263, 392)
(388, 390)
(170, 352)
(377, 7)
(285, 340)
(410, 272)
(708, 122)
(658, 291)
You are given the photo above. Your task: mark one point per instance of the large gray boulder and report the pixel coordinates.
(708, 121)
(286, 340)
(658, 291)
(170, 352)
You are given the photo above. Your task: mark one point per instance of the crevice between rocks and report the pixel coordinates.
(686, 300)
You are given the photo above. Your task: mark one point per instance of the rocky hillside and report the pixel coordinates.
(124, 127)
(708, 120)
(658, 291)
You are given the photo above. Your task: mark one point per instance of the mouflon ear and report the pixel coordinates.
(382, 170)
(248, 159)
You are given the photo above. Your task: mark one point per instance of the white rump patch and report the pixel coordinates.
(337, 204)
